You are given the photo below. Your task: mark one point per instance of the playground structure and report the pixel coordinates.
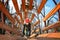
(25, 9)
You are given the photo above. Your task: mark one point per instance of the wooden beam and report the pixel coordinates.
(33, 35)
(41, 6)
(59, 14)
(6, 12)
(37, 30)
(32, 17)
(17, 9)
(50, 35)
(24, 9)
(52, 12)
(8, 28)
(23, 5)
(37, 22)
(31, 4)
(55, 25)
(25, 14)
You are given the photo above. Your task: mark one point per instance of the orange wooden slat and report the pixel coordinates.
(31, 4)
(57, 24)
(50, 35)
(17, 9)
(6, 12)
(25, 14)
(23, 5)
(52, 12)
(37, 30)
(32, 17)
(16, 6)
(37, 22)
(41, 6)
(59, 13)
(17, 19)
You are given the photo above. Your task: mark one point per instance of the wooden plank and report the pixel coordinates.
(23, 5)
(25, 14)
(37, 22)
(59, 14)
(33, 35)
(41, 6)
(31, 4)
(16, 6)
(6, 12)
(17, 9)
(52, 12)
(32, 17)
(57, 24)
(50, 35)
(37, 30)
